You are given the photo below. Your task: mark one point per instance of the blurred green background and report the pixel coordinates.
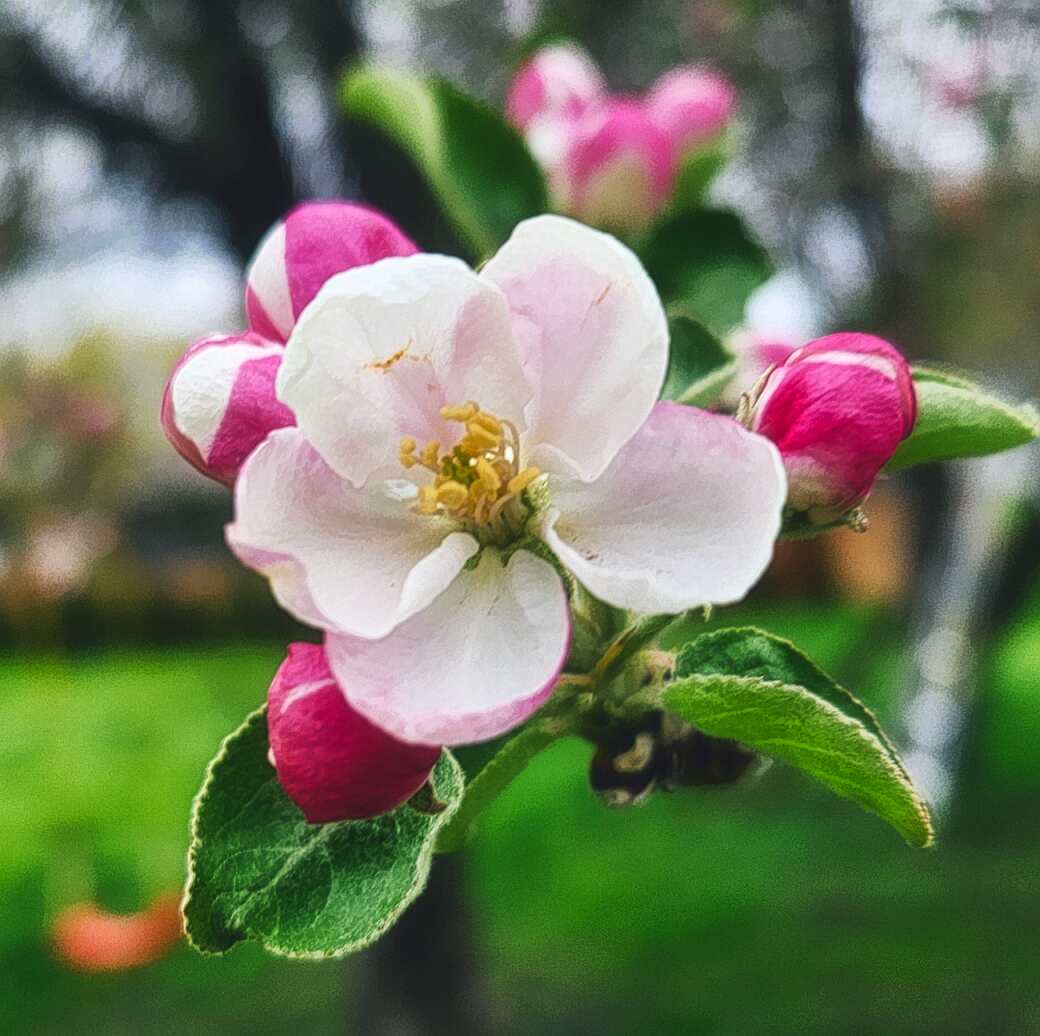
(769, 908)
(886, 155)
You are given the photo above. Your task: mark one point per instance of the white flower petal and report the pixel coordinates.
(478, 661)
(686, 514)
(593, 336)
(383, 347)
(337, 557)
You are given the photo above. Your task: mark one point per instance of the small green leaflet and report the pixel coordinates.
(475, 162)
(957, 418)
(758, 689)
(696, 173)
(258, 870)
(706, 264)
(699, 365)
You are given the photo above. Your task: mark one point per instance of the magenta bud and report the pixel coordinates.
(619, 168)
(691, 105)
(302, 251)
(331, 761)
(219, 403)
(559, 81)
(837, 409)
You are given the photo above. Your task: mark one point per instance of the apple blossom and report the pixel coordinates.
(836, 409)
(691, 105)
(331, 761)
(453, 429)
(619, 167)
(219, 403)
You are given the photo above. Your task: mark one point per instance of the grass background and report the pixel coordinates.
(772, 908)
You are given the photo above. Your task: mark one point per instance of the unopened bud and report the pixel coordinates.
(331, 761)
(837, 409)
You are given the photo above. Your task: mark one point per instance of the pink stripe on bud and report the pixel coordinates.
(837, 409)
(220, 403)
(691, 105)
(331, 761)
(315, 241)
(619, 168)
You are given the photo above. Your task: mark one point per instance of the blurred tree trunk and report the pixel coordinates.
(422, 977)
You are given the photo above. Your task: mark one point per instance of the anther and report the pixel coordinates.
(452, 495)
(430, 454)
(488, 476)
(427, 503)
(479, 440)
(486, 421)
(459, 412)
(520, 481)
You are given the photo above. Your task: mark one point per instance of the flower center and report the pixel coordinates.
(478, 481)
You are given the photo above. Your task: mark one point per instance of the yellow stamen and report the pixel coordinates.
(463, 412)
(452, 494)
(479, 440)
(520, 481)
(486, 421)
(427, 500)
(478, 481)
(430, 454)
(488, 476)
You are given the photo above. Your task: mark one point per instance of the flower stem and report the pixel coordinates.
(507, 764)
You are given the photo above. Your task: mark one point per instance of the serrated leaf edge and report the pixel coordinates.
(891, 764)
(423, 864)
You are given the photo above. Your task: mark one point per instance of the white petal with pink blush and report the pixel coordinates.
(446, 420)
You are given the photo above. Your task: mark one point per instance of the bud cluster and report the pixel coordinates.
(611, 159)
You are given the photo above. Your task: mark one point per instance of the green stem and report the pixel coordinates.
(508, 764)
(632, 640)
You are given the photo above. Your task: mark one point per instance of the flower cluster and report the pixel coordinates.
(425, 458)
(612, 160)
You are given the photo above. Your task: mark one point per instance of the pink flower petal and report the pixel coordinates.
(383, 347)
(339, 558)
(691, 105)
(475, 663)
(620, 167)
(686, 514)
(593, 337)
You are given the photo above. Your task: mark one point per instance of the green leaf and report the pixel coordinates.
(258, 870)
(758, 689)
(705, 263)
(475, 162)
(957, 418)
(699, 168)
(699, 365)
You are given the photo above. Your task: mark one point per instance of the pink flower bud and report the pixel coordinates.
(560, 81)
(331, 761)
(619, 168)
(219, 403)
(836, 409)
(691, 105)
(301, 252)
